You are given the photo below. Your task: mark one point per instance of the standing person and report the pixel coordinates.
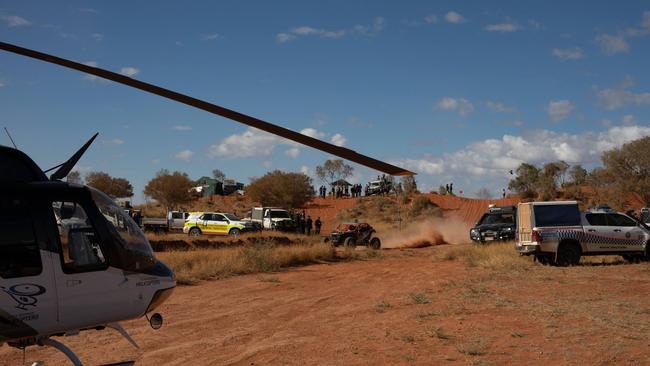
(451, 188)
(308, 225)
(504, 193)
(317, 225)
(447, 188)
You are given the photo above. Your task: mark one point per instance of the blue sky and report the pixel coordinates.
(456, 91)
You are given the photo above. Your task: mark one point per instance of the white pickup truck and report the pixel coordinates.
(269, 217)
(174, 221)
(558, 233)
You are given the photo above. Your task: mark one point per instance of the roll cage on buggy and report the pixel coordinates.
(353, 234)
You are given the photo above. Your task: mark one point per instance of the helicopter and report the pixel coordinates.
(70, 258)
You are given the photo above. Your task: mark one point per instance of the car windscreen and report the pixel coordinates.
(232, 217)
(279, 215)
(497, 218)
(556, 215)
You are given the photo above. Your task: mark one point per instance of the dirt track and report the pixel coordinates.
(376, 312)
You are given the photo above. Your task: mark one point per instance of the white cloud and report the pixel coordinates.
(293, 152)
(431, 19)
(502, 27)
(97, 37)
(460, 105)
(15, 21)
(182, 128)
(210, 36)
(184, 155)
(312, 132)
(304, 170)
(114, 142)
(498, 107)
(155, 161)
(645, 23)
(372, 29)
(454, 17)
(129, 71)
(252, 142)
(267, 164)
(568, 53)
(559, 109)
(619, 96)
(629, 119)
(612, 45)
(338, 139)
(494, 157)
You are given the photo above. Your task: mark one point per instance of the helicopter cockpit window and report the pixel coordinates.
(80, 246)
(130, 234)
(20, 255)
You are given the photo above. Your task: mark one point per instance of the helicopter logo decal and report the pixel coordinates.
(25, 294)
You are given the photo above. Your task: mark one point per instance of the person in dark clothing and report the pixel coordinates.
(504, 193)
(317, 225)
(447, 188)
(451, 188)
(308, 225)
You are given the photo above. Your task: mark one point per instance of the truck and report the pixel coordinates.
(498, 224)
(174, 221)
(270, 218)
(557, 233)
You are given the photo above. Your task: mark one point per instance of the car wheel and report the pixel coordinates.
(234, 232)
(349, 242)
(195, 231)
(543, 259)
(375, 243)
(568, 255)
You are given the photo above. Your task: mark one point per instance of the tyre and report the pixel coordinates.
(543, 260)
(234, 232)
(568, 255)
(375, 243)
(195, 231)
(349, 242)
(633, 258)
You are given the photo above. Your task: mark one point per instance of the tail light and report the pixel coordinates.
(536, 236)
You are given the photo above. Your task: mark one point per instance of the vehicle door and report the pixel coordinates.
(176, 220)
(89, 290)
(630, 237)
(206, 223)
(28, 294)
(221, 224)
(266, 223)
(599, 235)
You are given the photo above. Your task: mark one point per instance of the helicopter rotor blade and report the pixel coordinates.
(215, 109)
(66, 167)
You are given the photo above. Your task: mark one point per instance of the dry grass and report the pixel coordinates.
(500, 256)
(193, 266)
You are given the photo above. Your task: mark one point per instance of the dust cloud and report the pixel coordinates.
(428, 233)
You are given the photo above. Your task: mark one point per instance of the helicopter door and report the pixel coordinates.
(90, 291)
(28, 295)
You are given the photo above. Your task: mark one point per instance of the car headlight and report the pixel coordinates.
(473, 232)
(508, 229)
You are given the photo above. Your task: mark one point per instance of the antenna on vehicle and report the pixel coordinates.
(12, 140)
(66, 167)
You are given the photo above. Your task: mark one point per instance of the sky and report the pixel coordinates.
(455, 91)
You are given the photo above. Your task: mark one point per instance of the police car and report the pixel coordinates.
(498, 224)
(558, 233)
(216, 223)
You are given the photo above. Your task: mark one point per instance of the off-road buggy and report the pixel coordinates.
(353, 234)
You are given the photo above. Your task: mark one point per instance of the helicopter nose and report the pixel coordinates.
(160, 269)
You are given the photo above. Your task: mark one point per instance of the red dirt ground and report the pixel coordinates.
(409, 308)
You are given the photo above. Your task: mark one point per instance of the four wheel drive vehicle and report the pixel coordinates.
(217, 223)
(353, 234)
(558, 233)
(378, 187)
(496, 224)
(270, 217)
(645, 215)
(175, 220)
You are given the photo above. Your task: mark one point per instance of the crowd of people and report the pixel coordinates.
(340, 191)
(305, 225)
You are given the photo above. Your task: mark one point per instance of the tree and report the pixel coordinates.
(277, 188)
(483, 193)
(114, 187)
(409, 186)
(170, 189)
(525, 184)
(74, 177)
(628, 167)
(218, 175)
(578, 175)
(333, 170)
(547, 180)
